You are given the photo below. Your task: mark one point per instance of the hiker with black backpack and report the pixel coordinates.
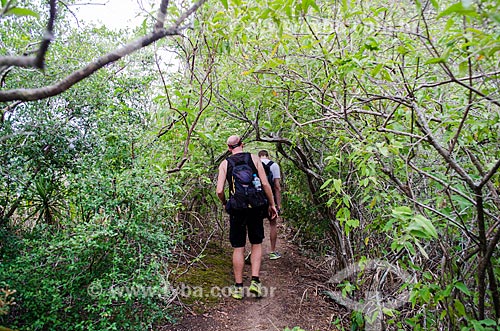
(250, 200)
(273, 175)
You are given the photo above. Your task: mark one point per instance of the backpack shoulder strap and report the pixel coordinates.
(248, 159)
(267, 166)
(230, 161)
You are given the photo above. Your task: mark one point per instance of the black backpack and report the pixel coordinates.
(242, 194)
(269, 173)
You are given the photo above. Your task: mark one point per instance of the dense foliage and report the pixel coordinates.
(390, 112)
(89, 224)
(385, 118)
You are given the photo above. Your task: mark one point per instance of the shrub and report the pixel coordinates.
(100, 275)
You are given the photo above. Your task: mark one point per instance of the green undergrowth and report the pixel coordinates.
(207, 279)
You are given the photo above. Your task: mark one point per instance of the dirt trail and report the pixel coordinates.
(295, 298)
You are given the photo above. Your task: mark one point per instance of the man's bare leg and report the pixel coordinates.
(238, 264)
(256, 258)
(273, 233)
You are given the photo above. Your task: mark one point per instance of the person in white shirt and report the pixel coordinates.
(276, 188)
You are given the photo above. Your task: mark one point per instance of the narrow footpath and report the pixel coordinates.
(294, 286)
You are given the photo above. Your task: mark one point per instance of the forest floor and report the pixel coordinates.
(294, 285)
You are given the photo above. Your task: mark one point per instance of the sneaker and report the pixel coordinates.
(274, 255)
(248, 259)
(237, 292)
(256, 288)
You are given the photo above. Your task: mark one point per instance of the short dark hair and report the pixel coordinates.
(263, 153)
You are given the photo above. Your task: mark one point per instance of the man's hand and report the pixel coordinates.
(273, 212)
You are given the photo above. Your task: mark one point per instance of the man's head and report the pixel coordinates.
(234, 144)
(263, 154)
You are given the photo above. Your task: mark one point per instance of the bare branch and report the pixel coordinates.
(427, 85)
(400, 133)
(443, 152)
(304, 159)
(162, 13)
(442, 182)
(479, 167)
(476, 91)
(47, 38)
(490, 174)
(18, 61)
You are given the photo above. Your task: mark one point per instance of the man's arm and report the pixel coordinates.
(275, 169)
(221, 180)
(277, 192)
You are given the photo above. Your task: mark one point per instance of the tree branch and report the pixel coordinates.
(77, 76)
(47, 38)
(443, 152)
(162, 13)
(37, 61)
(490, 174)
(455, 80)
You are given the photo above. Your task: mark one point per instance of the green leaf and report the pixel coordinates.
(224, 3)
(449, 24)
(353, 223)
(416, 232)
(495, 49)
(385, 75)
(326, 183)
(460, 308)
(315, 5)
(371, 44)
(345, 5)
(330, 202)
(402, 50)
(418, 4)
(395, 246)
(346, 200)
(389, 225)
(305, 5)
(421, 249)
(457, 8)
(265, 14)
(388, 312)
(337, 184)
(435, 60)
(402, 211)
(489, 322)
(408, 245)
(22, 12)
(463, 68)
(384, 151)
(421, 227)
(463, 288)
(496, 17)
